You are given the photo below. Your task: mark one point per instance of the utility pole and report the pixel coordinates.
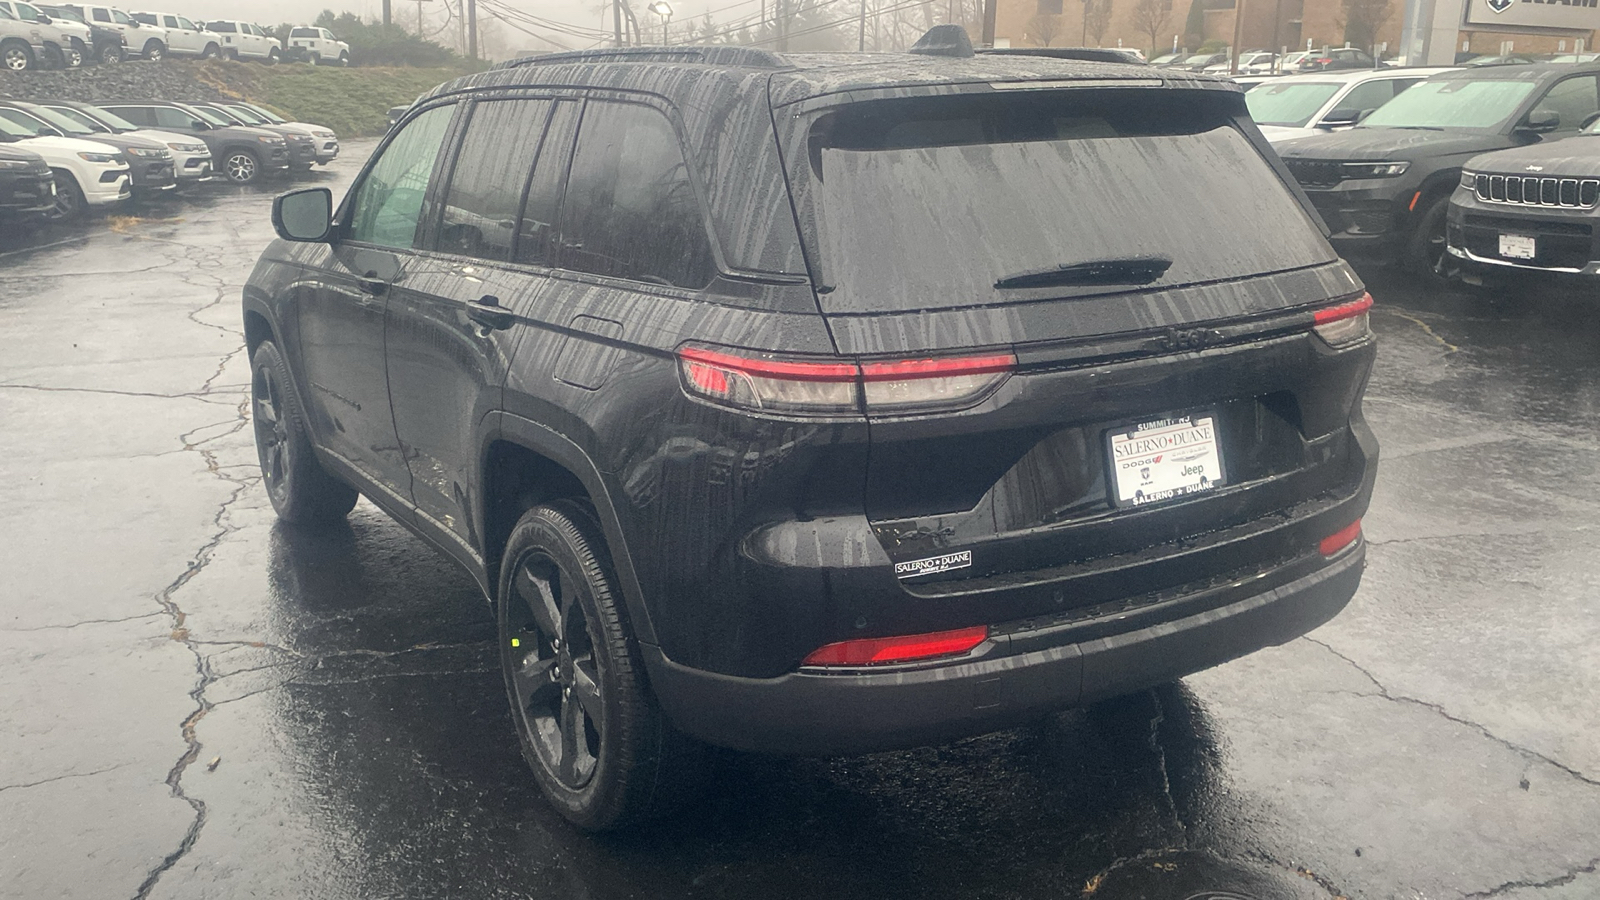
(616, 20)
(387, 19)
(988, 22)
(781, 13)
(861, 31)
(1238, 29)
(472, 29)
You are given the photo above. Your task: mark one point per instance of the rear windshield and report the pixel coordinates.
(978, 199)
(305, 32)
(1453, 103)
(1289, 105)
(221, 27)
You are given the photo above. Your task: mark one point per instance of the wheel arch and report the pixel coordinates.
(524, 463)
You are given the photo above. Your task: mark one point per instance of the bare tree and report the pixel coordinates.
(1096, 19)
(1043, 29)
(1152, 17)
(1363, 18)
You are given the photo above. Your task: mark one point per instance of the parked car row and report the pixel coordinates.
(68, 35)
(100, 155)
(1474, 173)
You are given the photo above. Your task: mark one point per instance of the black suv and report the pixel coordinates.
(1384, 187)
(241, 154)
(826, 403)
(27, 186)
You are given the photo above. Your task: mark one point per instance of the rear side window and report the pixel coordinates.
(479, 212)
(971, 200)
(167, 117)
(630, 209)
(138, 115)
(388, 204)
(101, 15)
(221, 27)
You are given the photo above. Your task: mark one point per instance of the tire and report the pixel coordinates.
(77, 54)
(301, 491)
(231, 54)
(313, 59)
(344, 59)
(272, 57)
(600, 748)
(70, 204)
(111, 55)
(210, 51)
(154, 50)
(241, 166)
(54, 57)
(16, 55)
(1425, 247)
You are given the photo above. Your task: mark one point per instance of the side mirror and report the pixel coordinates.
(1340, 118)
(304, 215)
(1541, 121)
(43, 19)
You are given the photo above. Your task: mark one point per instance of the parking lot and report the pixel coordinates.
(199, 702)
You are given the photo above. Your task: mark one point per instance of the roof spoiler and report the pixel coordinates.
(944, 40)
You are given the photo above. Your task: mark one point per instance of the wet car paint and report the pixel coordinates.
(1439, 739)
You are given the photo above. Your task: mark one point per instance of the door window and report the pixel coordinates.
(1574, 99)
(120, 17)
(1370, 95)
(536, 244)
(388, 204)
(479, 212)
(187, 25)
(168, 117)
(630, 209)
(101, 15)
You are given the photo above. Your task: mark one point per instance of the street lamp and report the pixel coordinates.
(663, 9)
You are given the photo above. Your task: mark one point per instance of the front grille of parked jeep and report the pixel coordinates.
(1538, 190)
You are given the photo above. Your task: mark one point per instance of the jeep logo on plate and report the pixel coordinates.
(1500, 6)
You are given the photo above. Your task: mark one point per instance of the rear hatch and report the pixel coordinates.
(1153, 279)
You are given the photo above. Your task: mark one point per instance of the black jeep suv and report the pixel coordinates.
(1384, 186)
(826, 403)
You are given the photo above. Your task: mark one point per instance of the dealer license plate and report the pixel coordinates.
(1516, 246)
(1166, 459)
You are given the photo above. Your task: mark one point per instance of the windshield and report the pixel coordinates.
(1199, 58)
(146, 18)
(268, 115)
(80, 119)
(112, 120)
(244, 115)
(65, 125)
(1288, 105)
(28, 13)
(24, 124)
(1452, 104)
(976, 196)
(209, 116)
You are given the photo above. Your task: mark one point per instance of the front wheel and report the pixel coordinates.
(16, 55)
(301, 491)
(76, 54)
(601, 749)
(70, 204)
(154, 50)
(344, 59)
(1425, 249)
(272, 57)
(241, 166)
(111, 55)
(209, 52)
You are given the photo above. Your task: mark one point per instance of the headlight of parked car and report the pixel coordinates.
(98, 157)
(149, 153)
(14, 164)
(300, 138)
(269, 140)
(1375, 169)
(324, 134)
(188, 148)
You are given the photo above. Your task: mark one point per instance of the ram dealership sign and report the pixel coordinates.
(1572, 15)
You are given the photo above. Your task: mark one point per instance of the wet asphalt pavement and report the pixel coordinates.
(196, 702)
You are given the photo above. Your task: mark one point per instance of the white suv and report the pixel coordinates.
(148, 41)
(65, 40)
(242, 40)
(185, 37)
(317, 46)
(88, 174)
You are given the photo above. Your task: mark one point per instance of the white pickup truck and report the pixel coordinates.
(185, 37)
(243, 40)
(318, 46)
(148, 41)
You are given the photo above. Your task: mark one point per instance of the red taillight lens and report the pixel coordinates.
(878, 651)
(1340, 539)
(841, 388)
(1344, 324)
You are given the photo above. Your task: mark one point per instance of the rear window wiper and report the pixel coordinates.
(1133, 270)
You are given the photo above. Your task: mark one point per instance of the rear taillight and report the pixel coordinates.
(835, 387)
(1344, 324)
(908, 648)
(1340, 539)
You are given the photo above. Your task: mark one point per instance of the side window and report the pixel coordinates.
(479, 212)
(101, 15)
(630, 210)
(120, 17)
(1370, 95)
(1574, 99)
(138, 115)
(388, 204)
(167, 117)
(536, 243)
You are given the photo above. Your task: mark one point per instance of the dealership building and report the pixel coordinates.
(1424, 32)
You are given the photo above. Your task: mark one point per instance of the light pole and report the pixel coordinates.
(663, 9)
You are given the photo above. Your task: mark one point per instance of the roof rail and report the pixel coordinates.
(733, 57)
(1086, 54)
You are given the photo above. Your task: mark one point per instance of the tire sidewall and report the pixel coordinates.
(29, 60)
(1420, 255)
(255, 172)
(562, 532)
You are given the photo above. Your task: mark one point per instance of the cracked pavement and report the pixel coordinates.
(199, 703)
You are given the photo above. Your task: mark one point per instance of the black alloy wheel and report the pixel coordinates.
(1425, 250)
(111, 54)
(301, 491)
(600, 748)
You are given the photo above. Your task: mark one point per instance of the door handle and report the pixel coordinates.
(488, 312)
(373, 286)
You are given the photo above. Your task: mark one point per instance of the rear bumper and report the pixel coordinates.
(1015, 676)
